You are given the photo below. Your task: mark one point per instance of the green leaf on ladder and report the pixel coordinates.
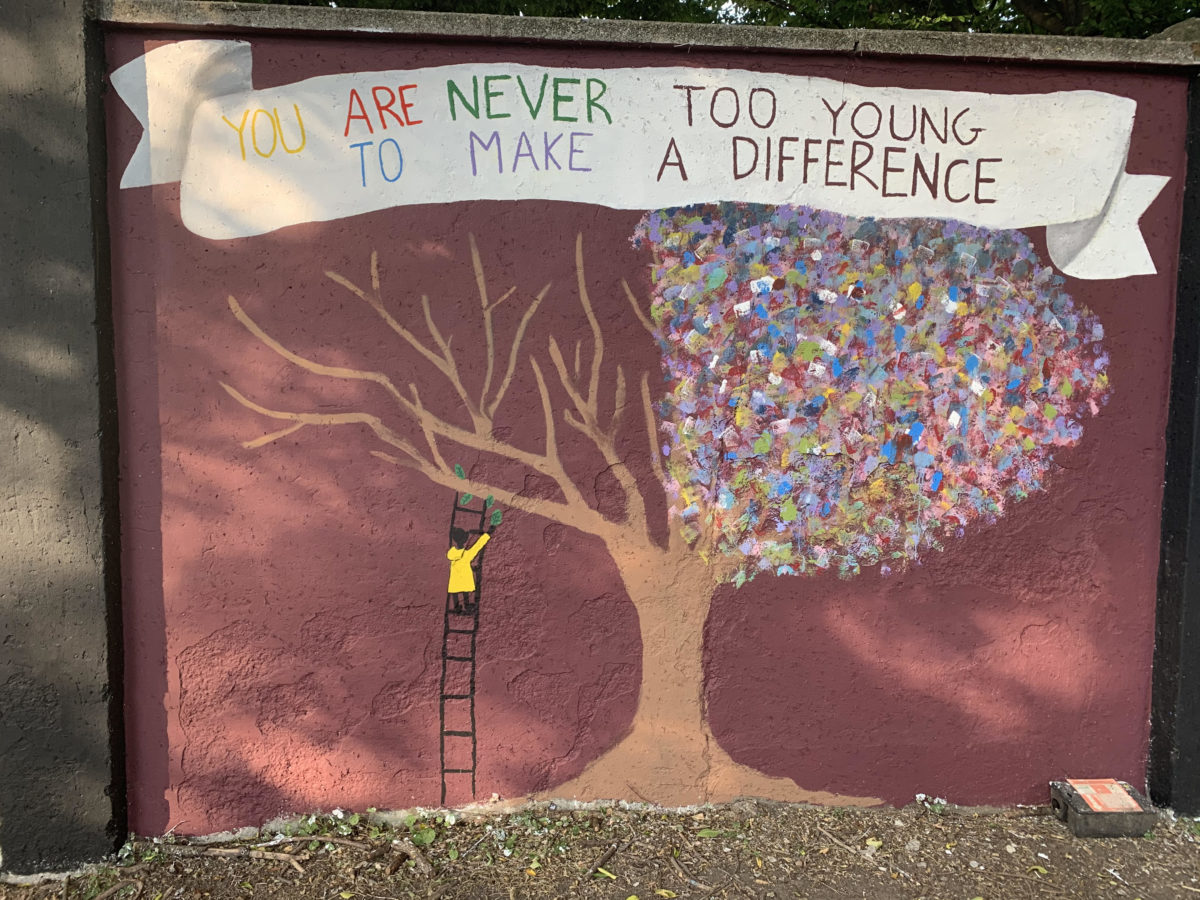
(467, 498)
(458, 470)
(489, 501)
(496, 516)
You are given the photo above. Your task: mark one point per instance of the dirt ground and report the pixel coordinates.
(745, 849)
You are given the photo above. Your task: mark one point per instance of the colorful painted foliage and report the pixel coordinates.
(845, 392)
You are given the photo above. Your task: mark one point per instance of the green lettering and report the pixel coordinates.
(595, 100)
(488, 94)
(533, 110)
(452, 89)
(560, 98)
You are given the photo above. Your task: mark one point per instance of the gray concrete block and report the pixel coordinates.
(1084, 821)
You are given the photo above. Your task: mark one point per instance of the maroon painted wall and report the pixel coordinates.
(284, 604)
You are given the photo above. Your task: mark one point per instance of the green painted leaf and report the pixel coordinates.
(788, 511)
(458, 470)
(467, 498)
(497, 516)
(489, 501)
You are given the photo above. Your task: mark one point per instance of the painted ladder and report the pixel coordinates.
(457, 709)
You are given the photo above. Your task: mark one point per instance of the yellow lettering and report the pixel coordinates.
(300, 122)
(239, 129)
(254, 132)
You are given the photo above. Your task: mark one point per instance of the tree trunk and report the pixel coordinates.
(669, 756)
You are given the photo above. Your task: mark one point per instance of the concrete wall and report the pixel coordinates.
(970, 622)
(60, 800)
(284, 595)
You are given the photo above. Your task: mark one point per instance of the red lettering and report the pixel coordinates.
(351, 115)
(382, 108)
(406, 104)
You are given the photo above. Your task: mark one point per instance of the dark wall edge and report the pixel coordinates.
(1173, 773)
(110, 506)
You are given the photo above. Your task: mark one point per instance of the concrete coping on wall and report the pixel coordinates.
(1106, 52)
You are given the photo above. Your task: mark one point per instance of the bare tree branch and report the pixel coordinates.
(675, 541)
(512, 354)
(637, 309)
(427, 421)
(314, 367)
(382, 431)
(585, 519)
(597, 334)
(485, 442)
(573, 510)
(376, 304)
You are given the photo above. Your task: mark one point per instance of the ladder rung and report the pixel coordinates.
(467, 509)
(462, 630)
(461, 658)
(458, 733)
(457, 771)
(456, 696)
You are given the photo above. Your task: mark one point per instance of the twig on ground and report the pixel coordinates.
(1045, 887)
(606, 856)
(185, 850)
(839, 842)
(409, 849)
(120, 886)
(330, 839)
(686, 876)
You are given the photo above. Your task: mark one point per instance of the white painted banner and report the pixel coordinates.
(253, 161)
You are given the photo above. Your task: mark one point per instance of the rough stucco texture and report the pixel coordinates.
(284, 603)
(57, 803)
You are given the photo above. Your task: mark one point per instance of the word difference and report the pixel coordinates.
(891, 171)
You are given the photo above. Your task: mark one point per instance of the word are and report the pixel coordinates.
(258, 126)
(498, 100)
(384, 100)
(523, 153)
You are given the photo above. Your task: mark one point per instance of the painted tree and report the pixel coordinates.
(837, 393)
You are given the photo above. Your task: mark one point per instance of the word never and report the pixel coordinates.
(494, 100)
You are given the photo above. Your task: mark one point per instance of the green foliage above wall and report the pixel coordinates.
(1110, 18)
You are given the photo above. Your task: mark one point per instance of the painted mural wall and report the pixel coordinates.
(605, 423)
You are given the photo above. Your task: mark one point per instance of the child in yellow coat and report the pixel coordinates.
(462, 576)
